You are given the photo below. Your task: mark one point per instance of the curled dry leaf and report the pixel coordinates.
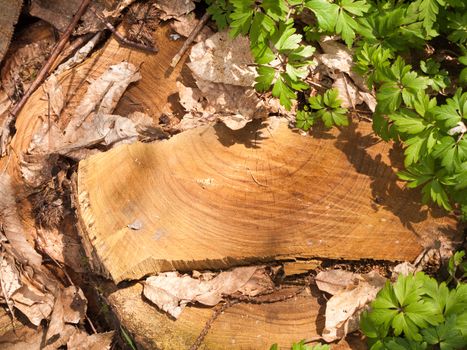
(35, 304)
(172, 292)
(351, 293)
(79, 55)
(84, 341)
(104, 93)
(174, 8)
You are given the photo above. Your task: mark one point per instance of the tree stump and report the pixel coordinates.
(212, 198)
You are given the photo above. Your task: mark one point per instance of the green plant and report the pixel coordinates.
(457, 267)
(416, 312)
(302, 346)
(326, 107)
(416, 103)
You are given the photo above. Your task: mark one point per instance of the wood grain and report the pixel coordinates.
(211, 198)
(242, 326)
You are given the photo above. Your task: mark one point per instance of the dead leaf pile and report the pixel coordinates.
(224, 78)
(351, 293)
(26, 286)
(171, 292)
(92, 124)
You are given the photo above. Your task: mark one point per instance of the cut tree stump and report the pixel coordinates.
(211, 198)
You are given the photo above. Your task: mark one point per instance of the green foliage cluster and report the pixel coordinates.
(457, 268)
(416, 312)
(416, 103)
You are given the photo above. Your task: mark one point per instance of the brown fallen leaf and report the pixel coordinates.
(174, 8)
(334, 281)
(35, 304)
(59, 14)
(69, 308)
(351, 293)
(12, 227)
(171, 292)
(55, 94)
(224, 77)
(338, 59)
(84, 341)
(104, 93)
(184, 25)
(221, 59)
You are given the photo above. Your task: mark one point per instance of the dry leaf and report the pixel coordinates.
(104, 93)
(221, 59)
(334, 281)
(172, 292)
(60, 14)
(23, 338)
(348, 92)
(12, 227)
(351, 295)
(174, 8)
(69, 308)
(33, 303)
(79, 56)
(184, 25)
(224, 79)
(10, 278)
(84, 341)
(55, 94)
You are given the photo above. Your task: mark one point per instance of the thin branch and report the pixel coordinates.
(220, 309)
(120, 38)
(50, 61)
(189, 40)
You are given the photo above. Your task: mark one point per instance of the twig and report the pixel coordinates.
(120, 38)
(50, 61)
(189, 40)
(209, 323)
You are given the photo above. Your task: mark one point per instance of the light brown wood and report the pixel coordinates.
(242, 326)
(211, 198)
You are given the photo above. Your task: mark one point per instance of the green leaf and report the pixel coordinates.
(325, 12)
(265, 78)
(241, 17)
(276, 9)
(283, 92)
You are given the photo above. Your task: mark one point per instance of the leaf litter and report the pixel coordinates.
(351, 293)
(172, 292)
